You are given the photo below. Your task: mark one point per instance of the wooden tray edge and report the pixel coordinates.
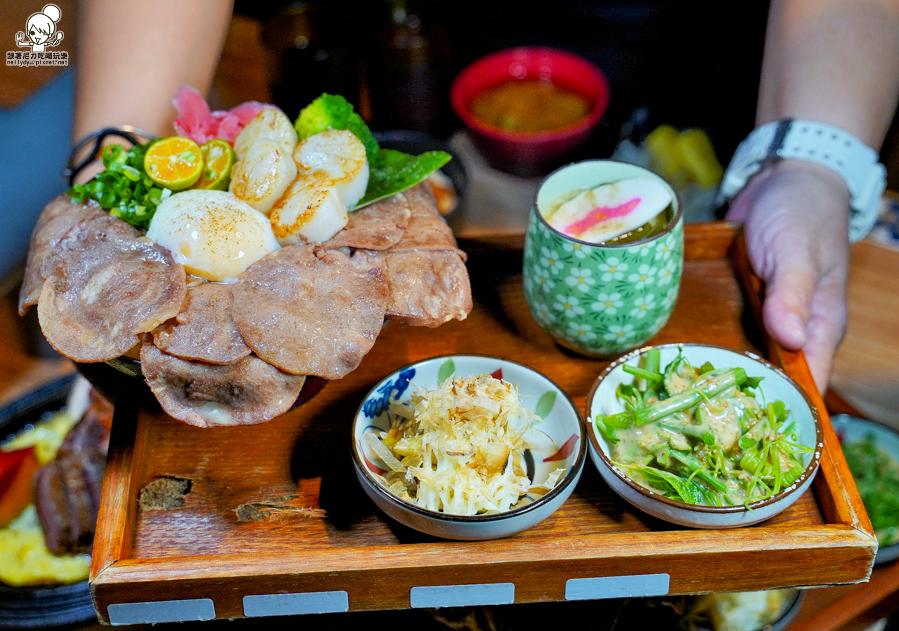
(847, 558)
(835, 485)
(118, 502)
(805, 558)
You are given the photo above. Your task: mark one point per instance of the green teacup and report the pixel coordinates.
(600, 300)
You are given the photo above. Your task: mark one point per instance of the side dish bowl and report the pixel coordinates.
(851, 429)
(559, 441)
(776, 385)
(530, 153)
(52, 605)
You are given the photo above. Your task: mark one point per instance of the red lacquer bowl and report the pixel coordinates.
(530, 153)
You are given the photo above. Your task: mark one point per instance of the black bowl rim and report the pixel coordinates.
(33, 401)
(570, 476)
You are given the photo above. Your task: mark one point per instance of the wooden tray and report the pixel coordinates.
(314, 538)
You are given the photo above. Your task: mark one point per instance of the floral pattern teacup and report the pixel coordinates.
(600, 300)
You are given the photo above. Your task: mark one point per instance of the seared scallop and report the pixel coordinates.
(270, 124)
(310, 211)
(338, 155)
(262, 174)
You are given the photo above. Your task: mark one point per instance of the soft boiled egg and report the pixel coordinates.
(212, 233)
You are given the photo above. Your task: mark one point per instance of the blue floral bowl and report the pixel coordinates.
(559, 441)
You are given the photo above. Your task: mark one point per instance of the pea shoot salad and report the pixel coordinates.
(876, 474)
(700, 435)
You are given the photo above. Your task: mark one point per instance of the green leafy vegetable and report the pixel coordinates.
(124, 189)
(697, 435)
(394, 171)
(877, 477)
(711, 385)
(752, 382)
(649, 375)
(332, 111)
(672, 485)
(447, 370)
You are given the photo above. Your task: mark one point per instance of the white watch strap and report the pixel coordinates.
(822, 144)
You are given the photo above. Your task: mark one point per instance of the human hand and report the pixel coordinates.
(795, 217)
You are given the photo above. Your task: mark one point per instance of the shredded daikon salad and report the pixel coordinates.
(460, 448)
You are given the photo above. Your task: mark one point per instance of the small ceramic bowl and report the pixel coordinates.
(749, 611)
(530, 153)
(851, 429)
(559, 441)
(775, 386)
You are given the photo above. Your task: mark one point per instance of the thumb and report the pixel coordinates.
(789, 289)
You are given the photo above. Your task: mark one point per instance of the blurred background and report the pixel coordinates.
(396, 59)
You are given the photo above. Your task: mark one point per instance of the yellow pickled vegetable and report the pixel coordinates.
(683, 158)
(46, 436)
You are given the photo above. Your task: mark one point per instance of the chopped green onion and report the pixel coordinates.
(644, 374)
(123, 188)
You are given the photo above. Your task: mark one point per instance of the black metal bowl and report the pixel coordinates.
(43, 606)
(122, 377)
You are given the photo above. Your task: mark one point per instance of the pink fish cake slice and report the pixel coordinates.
(611, 210)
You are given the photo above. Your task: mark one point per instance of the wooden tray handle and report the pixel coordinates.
(834, 472)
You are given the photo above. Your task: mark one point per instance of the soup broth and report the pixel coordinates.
(529, 106)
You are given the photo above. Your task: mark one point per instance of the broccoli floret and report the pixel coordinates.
(332, 111)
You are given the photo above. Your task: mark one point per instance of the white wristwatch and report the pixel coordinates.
(829, 146)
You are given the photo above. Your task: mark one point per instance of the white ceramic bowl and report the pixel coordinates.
(560, 439)
(852, 429)
(795, 597)
(776, 386)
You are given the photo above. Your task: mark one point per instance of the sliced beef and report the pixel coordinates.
(57, 218)
(100, 291)
(365, 260)
(204, 330)
(427, 288)
(427, 230)
(67, 490)
(310, 311)
(245, 392)
(375, 227)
